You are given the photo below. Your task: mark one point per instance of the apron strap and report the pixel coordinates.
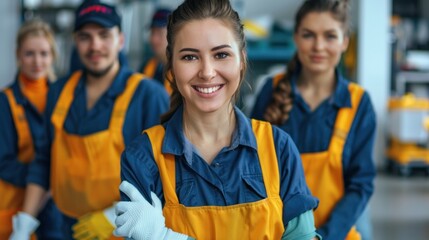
(150, 68)
(165, 162)
(64, 101)
(267, 156)
(122, 102)
(345, 119)
(25, 140)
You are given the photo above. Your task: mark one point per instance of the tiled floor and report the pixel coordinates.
(400, 208)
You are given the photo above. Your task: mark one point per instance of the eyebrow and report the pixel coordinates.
(79, 33)
(213, 49)
(326, 31)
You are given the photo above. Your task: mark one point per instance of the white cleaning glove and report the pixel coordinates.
(141, 220)
(23, 226)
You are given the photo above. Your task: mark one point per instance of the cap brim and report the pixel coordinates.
(99, 21)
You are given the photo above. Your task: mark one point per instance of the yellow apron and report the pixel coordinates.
(149, 70)
(256, 220)
(85, 172)
(323, 170)
(25, 141)
(12, 197)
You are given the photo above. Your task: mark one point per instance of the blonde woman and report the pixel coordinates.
(21, 115)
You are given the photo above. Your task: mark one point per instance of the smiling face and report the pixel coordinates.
(98, 47)
(320, 41)
(35, 57)
(206, 63)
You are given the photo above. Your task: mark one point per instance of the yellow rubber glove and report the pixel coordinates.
(97, 225)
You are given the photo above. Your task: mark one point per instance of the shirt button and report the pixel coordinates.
(217, 164)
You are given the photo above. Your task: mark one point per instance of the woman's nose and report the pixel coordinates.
(207, 70)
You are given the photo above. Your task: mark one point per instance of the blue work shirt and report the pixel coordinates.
(312, 130)
(143, 112)
(234, 176)
(12, 170)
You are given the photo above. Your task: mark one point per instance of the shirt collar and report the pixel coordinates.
(243, 134)
(341, 96)
(175, 143)
(173, 139)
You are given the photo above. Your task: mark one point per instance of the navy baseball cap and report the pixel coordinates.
(160, 18)
(93, 11)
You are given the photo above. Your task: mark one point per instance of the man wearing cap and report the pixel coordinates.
(154, 66)
(92, 115)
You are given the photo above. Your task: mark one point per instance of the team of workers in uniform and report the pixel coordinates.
(90, 116)
(207, 171)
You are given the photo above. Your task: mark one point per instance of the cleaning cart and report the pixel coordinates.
(408, 130)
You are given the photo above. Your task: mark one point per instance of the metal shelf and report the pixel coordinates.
(270, 54)
(402, 78)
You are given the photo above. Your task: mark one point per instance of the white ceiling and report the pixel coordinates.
(279, 9)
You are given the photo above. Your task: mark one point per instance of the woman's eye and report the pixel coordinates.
(222, 55)
(189, 57)
(332, 36)
(307, 35)
(28, 53)
(44, 53)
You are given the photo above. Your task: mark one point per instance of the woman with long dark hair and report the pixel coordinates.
(330, 119)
